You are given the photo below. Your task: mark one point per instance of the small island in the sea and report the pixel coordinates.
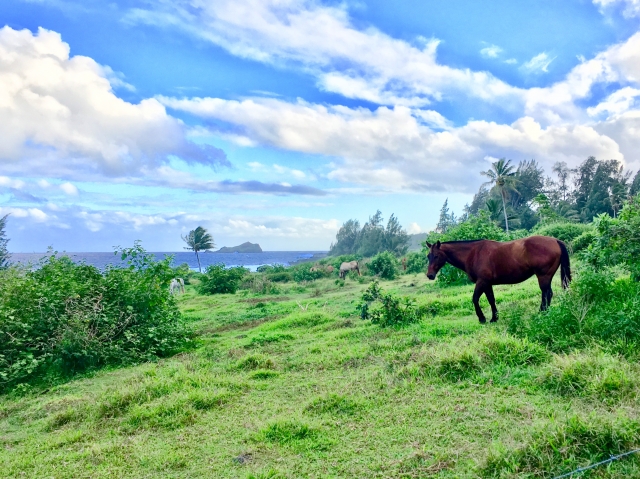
(243, 248)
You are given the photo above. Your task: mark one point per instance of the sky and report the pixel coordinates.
(274, 121)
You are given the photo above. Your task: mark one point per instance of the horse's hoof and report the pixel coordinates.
(494, 320)
(482, 320)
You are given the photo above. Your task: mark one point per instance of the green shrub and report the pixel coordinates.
(259, 284)
(220, 280)
(302, 272)
(271, 268)
(617, 240)
(598, 308)
(451, 276)
(478, 226)
(583, 241)
(183, 271)
(416, 263)
(393, 311)
(566, 232)
(63, 318)
(385, 265)
(280, 277)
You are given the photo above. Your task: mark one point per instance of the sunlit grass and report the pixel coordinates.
(297, 385)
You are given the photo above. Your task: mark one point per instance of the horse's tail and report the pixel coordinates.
(565, 265)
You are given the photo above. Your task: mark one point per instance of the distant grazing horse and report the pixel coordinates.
(491, 262)
(350, 266)
(176, 284)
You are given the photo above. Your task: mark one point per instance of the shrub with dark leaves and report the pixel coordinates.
(62, 318)
(390, 310)
(220, 280)
(384, 264)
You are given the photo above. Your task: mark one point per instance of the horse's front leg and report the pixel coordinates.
(488, 291)
(476, 301)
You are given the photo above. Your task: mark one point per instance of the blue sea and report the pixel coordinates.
(248, 260)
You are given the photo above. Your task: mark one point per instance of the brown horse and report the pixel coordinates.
(491, 262)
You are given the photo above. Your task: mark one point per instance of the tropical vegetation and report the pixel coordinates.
(292, 371)
(197, 240)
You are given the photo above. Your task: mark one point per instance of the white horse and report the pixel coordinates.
(177, 284)
(350, 266)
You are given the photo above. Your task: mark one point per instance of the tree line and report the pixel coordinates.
(522, 196)
(518, 196)
(372, 238)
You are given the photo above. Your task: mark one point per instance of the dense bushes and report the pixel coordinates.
(416, 262)
(220, 280)
(392, 311)
(566, 232)
(302, 272)
(617, 240)
(598, 308)
(64, 318)
(583, 241)
(384, 264)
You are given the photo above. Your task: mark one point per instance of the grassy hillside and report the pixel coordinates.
(296, 385)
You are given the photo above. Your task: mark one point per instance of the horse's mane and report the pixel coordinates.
(462, 241)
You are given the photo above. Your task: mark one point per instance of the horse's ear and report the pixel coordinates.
(429, 245)
(438, 244)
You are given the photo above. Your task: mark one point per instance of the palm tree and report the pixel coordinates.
(198, 240)
(503, 177)
(494, 208)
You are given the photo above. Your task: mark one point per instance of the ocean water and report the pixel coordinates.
(248, 260)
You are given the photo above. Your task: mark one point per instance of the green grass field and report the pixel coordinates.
(296, 385)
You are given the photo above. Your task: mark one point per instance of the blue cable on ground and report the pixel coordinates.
(586, 468)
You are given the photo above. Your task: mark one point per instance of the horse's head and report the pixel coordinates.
(437, 259)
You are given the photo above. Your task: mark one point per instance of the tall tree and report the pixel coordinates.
(608, 189)
(372, 238)
(561, 169)
(396, 238)
(502, 177)
(198, 240)
(634, 189)
(583, 179)
(346, 239)
(4, 253)
(447, 218)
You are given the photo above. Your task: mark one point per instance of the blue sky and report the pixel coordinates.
(274, 121)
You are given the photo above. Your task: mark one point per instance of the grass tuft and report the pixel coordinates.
(264, 374)
(600, 376)
(255, 361)
(575, 443)
(333, 404)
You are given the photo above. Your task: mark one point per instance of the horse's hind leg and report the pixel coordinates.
(480, 288)
(547, 293)
(492, 301)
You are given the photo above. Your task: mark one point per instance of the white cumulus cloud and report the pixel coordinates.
(60, 115)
